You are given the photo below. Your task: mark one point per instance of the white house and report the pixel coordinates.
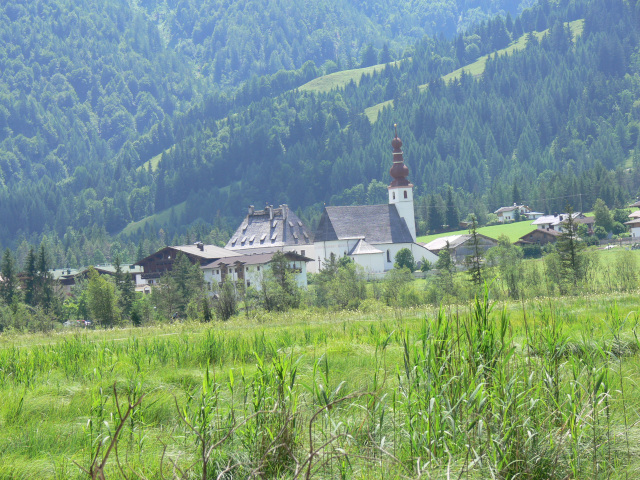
(250, 269)
(461, 246)
(634, 223)
(555, 222)
(372, 235)
(509, 214)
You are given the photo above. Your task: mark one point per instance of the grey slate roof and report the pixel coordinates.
(259, 230)
(255, 259)
(363, 248)
(374, 223)
(207, 251)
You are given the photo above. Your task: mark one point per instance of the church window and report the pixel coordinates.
(405, 194)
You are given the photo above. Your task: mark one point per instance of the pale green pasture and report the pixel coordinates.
(341, 79)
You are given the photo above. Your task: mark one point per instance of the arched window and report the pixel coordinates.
(405, 194)
(388, 256)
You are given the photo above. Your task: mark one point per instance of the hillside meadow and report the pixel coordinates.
(541, 388)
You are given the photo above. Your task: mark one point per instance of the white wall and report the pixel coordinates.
(370, 262)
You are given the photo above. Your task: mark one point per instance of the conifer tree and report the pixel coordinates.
(474, 261)
(125, 286)
(452, 216)
(9, 283)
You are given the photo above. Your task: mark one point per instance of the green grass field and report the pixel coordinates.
(335, 80)
(153, 163)
(161, 218)
(513, 230)
(472, 391)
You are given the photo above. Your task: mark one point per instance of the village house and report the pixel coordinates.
(513, 213)
(634, 223)
(160, 262)
(539, 237)
(66, 278)
(461, 246)
(555, 222)
(249, 270)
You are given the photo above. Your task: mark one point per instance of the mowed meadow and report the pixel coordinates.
(541, 388)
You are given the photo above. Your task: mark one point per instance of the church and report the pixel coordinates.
(371, 235)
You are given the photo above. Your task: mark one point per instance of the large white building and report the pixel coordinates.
(372, 235)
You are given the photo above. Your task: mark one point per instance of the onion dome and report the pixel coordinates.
(399, 170)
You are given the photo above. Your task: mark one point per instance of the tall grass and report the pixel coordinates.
(533, 390)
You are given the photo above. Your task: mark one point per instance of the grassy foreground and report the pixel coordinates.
(540, 389)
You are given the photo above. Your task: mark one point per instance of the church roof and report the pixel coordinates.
(374, 223)
(271, 227)
(363, 248)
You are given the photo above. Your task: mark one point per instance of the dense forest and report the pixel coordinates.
(90, 93)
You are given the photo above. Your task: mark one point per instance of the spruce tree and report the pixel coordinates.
(9, 283)
(452, 216)
(474, 261)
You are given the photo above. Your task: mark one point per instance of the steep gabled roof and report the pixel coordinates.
(271, 227)
(374, 223)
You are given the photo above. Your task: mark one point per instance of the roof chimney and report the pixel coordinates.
(200, 246)
(285, 211)
(251, 210)
(270, 208)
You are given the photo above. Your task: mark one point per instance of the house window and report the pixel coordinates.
(394, 195)
(388, 256)
(258, 268)
(302, 252)
(405, 194)
(248, 283)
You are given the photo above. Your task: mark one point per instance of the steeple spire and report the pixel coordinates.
(399, 170)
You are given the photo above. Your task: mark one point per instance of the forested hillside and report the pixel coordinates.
(559, 119)
(89, 93)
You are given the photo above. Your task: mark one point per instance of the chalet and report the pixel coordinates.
(511, 213)
(539, 237)
(634, 222)
(372, 235)
(461, 246)
(68, 277)
(157, 264)
(249, 269)
(555, 222)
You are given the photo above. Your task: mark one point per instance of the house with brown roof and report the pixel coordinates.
(160, 262)
(539, 236)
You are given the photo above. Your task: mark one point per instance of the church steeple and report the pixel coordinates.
(400, 189)
(399, 170)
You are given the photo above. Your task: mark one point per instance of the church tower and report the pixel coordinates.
(400, 190)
